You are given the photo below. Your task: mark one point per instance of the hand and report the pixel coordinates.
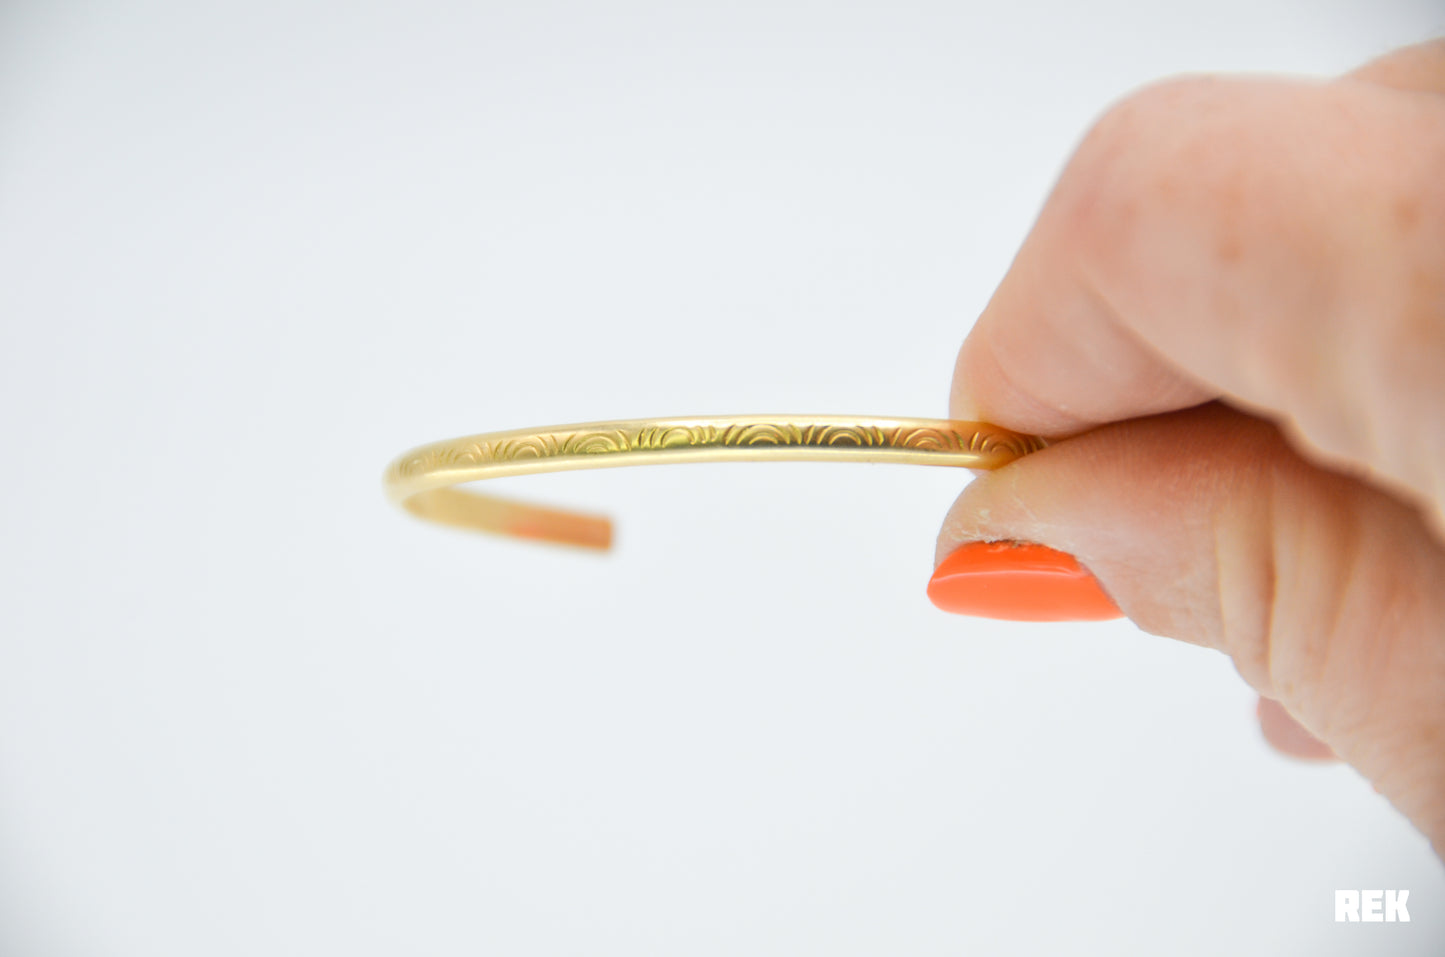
(1230, 317)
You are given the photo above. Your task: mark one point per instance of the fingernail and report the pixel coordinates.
(1018, 581)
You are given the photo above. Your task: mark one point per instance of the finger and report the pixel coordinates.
(1277, 243)
(1419, 68)
(1205, 525)
(1288, 736)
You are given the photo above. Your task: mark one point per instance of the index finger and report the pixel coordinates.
(1276, 243)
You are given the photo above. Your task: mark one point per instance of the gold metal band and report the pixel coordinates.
(421, 480)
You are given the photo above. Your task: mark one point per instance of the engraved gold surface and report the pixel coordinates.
(422, 480)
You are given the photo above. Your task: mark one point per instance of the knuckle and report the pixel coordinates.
(1146, 155)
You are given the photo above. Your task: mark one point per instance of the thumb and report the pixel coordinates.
(1206, 526)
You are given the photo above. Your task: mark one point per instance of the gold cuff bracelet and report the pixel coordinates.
(422, 480)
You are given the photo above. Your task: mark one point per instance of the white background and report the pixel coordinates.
(250, 251)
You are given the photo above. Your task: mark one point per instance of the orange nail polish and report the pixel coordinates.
(1018, 581)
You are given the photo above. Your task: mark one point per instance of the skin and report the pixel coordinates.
(1230, 318)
